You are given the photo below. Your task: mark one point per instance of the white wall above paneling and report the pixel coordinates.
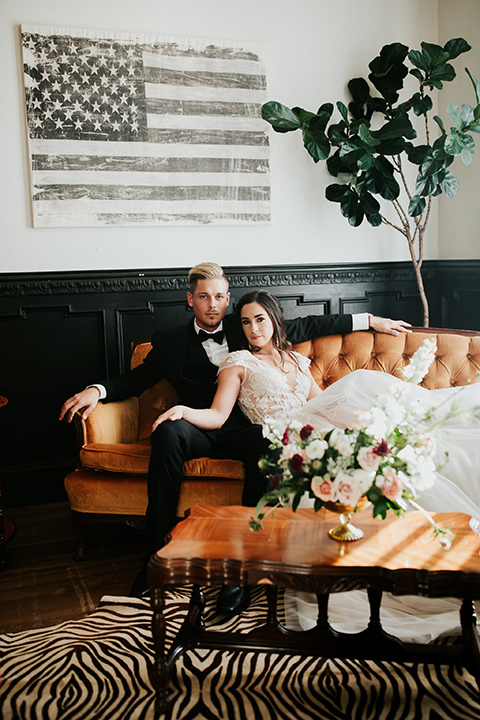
(312, 48)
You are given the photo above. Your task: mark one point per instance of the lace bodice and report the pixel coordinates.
(265, 393)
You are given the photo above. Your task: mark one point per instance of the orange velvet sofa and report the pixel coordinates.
(110, 484)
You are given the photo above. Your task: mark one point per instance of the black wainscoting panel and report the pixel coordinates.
(62, 331)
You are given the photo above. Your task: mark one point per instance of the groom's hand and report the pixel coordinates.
(391, 327)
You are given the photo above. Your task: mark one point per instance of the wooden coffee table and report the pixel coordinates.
(214, 546)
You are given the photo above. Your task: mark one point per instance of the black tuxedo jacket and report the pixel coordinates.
(167, 357)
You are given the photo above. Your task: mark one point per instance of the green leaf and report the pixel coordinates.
(370, 204)
(434, 54)
(439, 122)
(326, 108)
(359, 90)
(374, 219)
(365, 162)
(468, 114)
(342, 108)
(391, 147)
(417, 74)
(366, 136)
(388, 71)
(349, 204)
(466, 156)
(356, 218)
(456, 143)
(425, 184)
(416, 206)
(476, 85)
(336, 192)
(417, 154)
(280, 117)
(336, 165)
(399, 127)
(450, 185)
(421, 105)
(453, 112)
(436, 78)
(456, 47)
(315, 141)
(420, 61)
(380, 180)
(304, 116)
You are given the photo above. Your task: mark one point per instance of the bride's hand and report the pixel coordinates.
(174, 413)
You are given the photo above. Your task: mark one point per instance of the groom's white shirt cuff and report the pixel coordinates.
(359, 322)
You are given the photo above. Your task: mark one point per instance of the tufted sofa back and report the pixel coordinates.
(457, 358)
(457, 361)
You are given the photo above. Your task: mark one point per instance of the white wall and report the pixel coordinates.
(312, 48)
(459, 217)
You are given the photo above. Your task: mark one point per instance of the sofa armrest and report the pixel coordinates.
(111, 423)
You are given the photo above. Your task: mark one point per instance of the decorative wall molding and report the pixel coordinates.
(98, 282)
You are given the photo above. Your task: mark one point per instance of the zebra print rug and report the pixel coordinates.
(96, 668)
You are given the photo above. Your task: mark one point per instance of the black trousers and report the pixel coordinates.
(174, 442)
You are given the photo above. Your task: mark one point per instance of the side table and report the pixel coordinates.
(214, 546)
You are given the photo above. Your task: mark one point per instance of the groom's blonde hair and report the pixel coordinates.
(205, 271)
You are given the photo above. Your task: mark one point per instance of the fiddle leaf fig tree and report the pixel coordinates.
(372, 142)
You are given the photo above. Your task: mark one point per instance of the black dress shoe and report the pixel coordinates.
(140, 587)
(232, 600)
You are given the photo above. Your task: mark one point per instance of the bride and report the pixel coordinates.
(273, 382)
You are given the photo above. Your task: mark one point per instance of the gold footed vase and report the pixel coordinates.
(346, 531)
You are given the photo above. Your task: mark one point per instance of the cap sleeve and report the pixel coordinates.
(303, 362)
(234, 359)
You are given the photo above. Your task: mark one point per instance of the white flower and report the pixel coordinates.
(316, 449)
(376, 423)
(420, 362)
(363, 479)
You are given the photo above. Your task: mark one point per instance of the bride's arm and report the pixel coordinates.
(229, 382)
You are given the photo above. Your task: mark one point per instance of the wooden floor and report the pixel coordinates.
(42, 585)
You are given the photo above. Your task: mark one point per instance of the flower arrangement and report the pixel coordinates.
(387, 458)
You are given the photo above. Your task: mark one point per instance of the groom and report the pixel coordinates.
(188, 356)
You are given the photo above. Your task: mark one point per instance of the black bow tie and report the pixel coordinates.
(218, 336)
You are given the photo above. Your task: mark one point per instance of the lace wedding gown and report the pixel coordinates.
(266, 394)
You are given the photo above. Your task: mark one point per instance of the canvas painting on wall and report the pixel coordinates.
(134, 130)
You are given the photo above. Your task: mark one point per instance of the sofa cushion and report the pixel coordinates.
(134, 458)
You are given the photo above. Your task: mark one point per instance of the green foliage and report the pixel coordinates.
(374, 135)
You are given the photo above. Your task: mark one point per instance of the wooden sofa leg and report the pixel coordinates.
(80, 529)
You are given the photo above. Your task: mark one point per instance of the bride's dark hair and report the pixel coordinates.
(269, 303)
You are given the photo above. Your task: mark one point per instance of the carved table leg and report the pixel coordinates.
(160, 672)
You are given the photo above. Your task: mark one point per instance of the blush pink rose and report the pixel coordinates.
(324, 490)
(346, 490)
(392, 487)
(368, 459)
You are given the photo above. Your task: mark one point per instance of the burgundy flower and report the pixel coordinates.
(381, 449)
(286, 437)
(305, 432)
(275, 481)
(296, 462)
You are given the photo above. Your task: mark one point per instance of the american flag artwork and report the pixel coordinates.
(135, 130)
